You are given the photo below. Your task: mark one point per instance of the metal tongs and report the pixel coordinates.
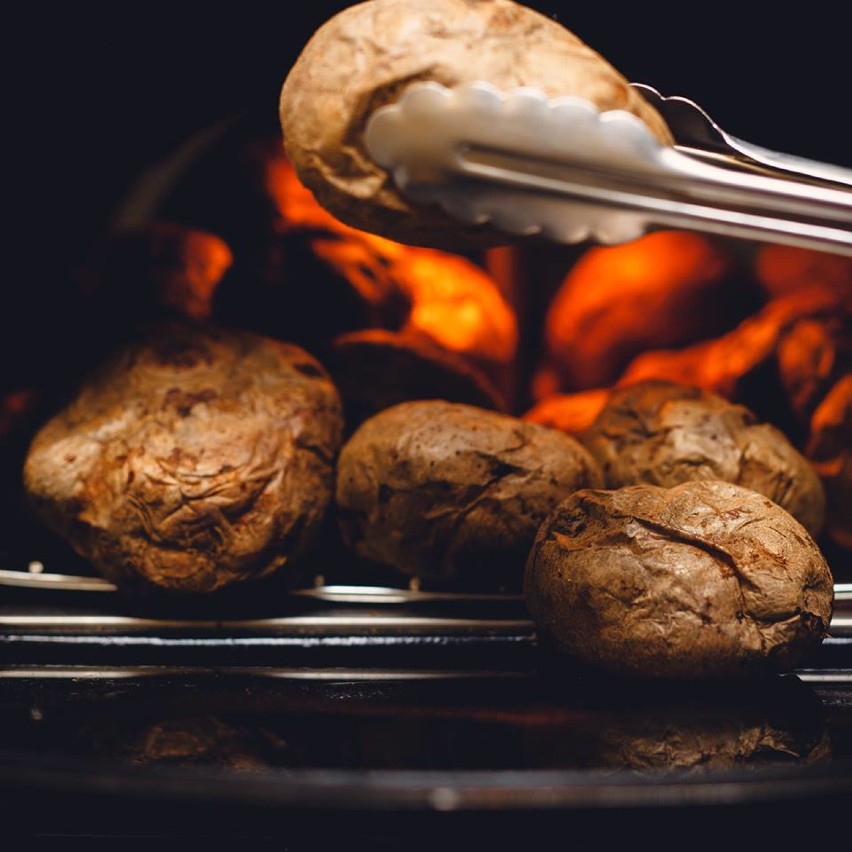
(558, 167)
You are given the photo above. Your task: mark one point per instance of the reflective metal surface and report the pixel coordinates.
(559, 168)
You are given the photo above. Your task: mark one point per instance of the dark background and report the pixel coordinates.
(94, 93)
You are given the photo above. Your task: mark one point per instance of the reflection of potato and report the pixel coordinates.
(705, 728)
(664, 433)
(203, 741)
(717, 744)
(191, 460)
(437, 489)
(705, 579)
(364, 57)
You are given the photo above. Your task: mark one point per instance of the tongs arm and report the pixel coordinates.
(558, 167)
(696, 133)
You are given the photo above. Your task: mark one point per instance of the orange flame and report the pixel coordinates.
(454, 302)
(786, 269)
(664, 289)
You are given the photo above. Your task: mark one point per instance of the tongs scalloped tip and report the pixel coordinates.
(528, 164)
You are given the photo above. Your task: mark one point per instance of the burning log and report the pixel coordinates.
(743, 364)
(785, 269)
(573, 413)
(667, 289)
(156, 271)
(301, 275)
(812, 355)
(444, 298)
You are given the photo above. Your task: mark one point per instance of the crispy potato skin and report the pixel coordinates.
(664, 433)
(447, 490)
(366, 55)
(703, 580)
(193, 459)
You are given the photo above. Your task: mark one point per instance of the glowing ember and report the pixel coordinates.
(784, 269)
(722, 364)
(161, 268)
(14, 407)
(667, 289)
(569, 412)
(453, 301)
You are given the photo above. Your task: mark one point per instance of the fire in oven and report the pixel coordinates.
(472, 363)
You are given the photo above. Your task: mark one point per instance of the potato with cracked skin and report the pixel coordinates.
(703, 580)
(664, 433)
(442, 490)
(194, 458)
(365, 56)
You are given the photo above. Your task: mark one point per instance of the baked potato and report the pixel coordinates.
(664, 433)
(703, 580)
(366, 55)
(448, 491)
(192, 459)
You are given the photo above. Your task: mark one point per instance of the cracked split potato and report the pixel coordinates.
(703, 580)
(441, 490)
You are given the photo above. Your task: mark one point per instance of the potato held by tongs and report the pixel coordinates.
(451, 123)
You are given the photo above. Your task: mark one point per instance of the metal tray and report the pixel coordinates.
(312, 757)
(383, 715)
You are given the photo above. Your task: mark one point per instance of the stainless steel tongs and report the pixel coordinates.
(558, 167)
